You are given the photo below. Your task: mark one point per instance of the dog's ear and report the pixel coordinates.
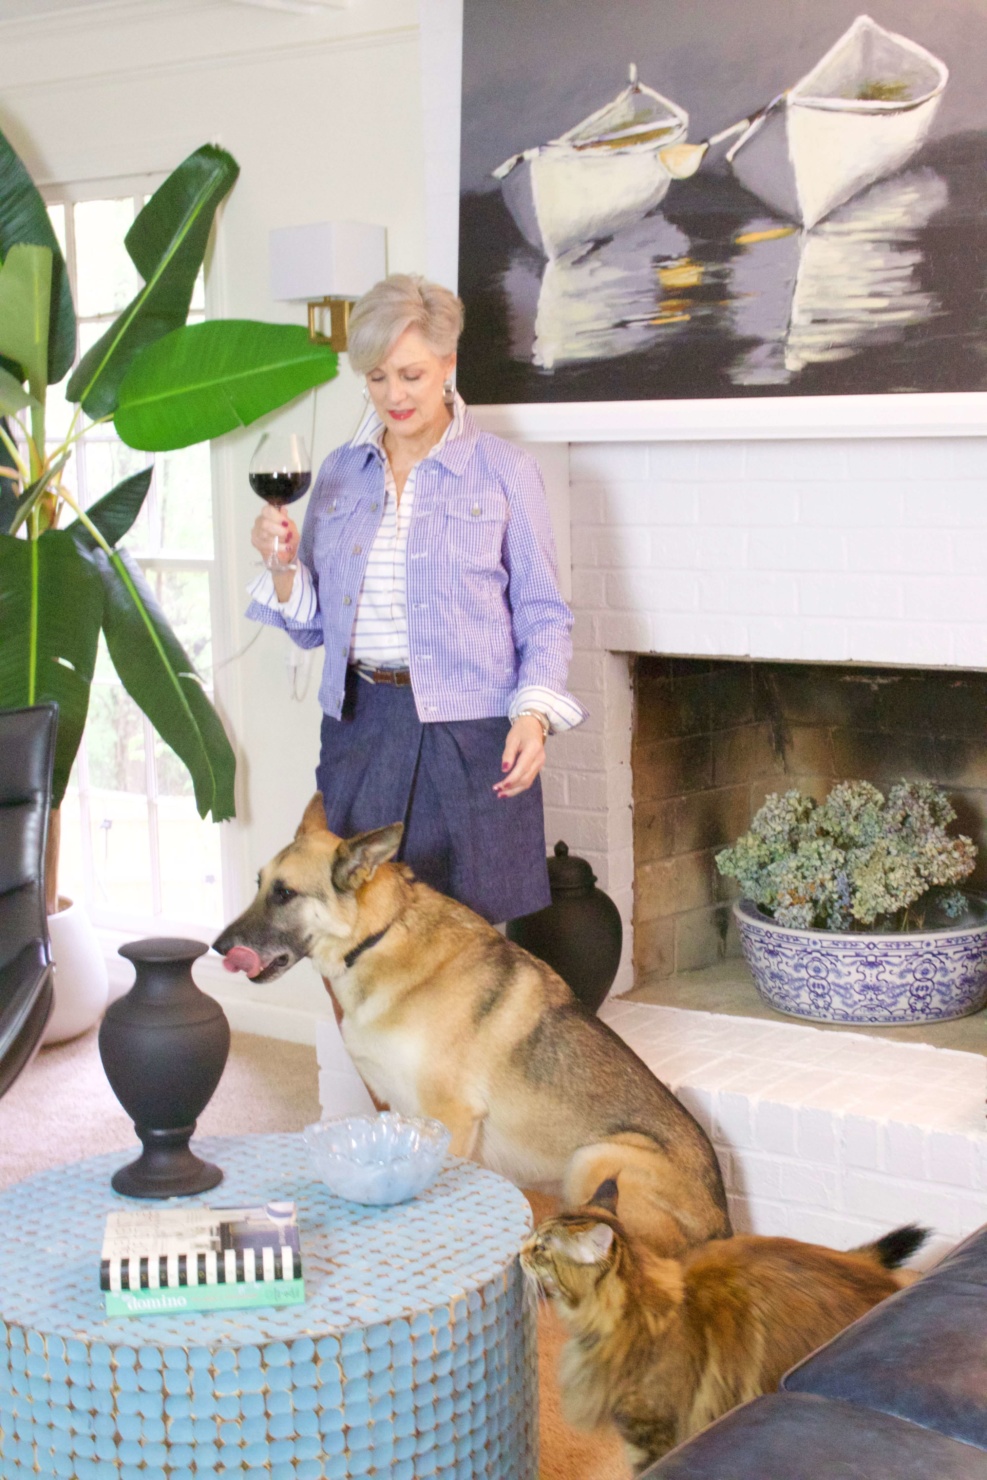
(605, 1196)
(314, 817)
(358, 859)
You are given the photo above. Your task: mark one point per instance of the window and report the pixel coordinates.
(133, 847)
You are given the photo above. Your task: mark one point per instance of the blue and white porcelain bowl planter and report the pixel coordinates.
(851, 910)
(853, 977)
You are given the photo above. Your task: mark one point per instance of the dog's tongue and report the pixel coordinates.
(242, 958)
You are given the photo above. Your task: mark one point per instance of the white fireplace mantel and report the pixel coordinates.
(955, 415)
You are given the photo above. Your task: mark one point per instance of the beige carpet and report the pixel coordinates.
(62, 1109)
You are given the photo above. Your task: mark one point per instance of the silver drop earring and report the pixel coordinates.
(449, 392)
(366, 393)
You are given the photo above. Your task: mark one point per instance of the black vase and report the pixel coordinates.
(579, 934)
(164, 1048)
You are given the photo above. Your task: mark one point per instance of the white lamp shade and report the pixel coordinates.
(337, 259)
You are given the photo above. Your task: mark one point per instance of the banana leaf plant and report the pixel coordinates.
(164, 384)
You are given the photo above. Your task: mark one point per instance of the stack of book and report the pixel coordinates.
(169, 1260)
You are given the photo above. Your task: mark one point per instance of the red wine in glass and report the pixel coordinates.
(280, 472)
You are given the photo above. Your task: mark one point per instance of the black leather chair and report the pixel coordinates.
(27, 754)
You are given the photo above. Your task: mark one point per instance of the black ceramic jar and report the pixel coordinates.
(164, 1047)
(579, 934)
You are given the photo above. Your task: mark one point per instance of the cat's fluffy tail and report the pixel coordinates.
(897, 1246)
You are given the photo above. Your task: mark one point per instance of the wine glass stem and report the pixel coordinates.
(273, 562)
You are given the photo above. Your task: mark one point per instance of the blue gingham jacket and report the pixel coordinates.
(485, 615)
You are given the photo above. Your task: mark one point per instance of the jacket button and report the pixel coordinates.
(357, 549)
(347, 601)
(476, 510)
(374, 508)
(345, 652)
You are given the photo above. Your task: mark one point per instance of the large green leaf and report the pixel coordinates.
(24, 218)
(167, 243)
(158, 674)
(207, 379)
(115, 512)
(13, 396)
(25, 299)
(51, 605)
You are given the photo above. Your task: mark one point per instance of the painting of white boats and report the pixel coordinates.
(783, 198)
(861, 113)
(604, 173)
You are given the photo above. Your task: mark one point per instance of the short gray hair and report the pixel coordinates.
(402, 301)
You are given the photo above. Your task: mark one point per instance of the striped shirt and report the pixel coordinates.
(380, 628)
(462, 593)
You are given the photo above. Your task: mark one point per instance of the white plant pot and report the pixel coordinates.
(80, 982)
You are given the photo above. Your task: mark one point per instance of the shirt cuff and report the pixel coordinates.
(561, 712)
(301, 605)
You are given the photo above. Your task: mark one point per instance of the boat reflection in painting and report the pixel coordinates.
(818, 297)
(611, 300)
(837, 245)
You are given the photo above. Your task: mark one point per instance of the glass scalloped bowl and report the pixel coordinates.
(377, 1159)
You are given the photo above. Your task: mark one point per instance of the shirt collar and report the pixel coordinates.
(370, 432)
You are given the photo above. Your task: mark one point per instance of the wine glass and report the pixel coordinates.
(280, 472)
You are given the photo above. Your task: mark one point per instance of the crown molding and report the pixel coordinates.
(297, 7)
(329, 31)
(68, 18)
(81, 16)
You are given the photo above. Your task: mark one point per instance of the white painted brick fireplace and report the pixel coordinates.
(869, 550)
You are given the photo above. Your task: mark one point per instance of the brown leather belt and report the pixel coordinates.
(399, 677)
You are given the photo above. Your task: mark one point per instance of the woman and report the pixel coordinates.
(426, 567)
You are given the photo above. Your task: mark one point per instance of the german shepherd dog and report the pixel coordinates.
(444, 1017)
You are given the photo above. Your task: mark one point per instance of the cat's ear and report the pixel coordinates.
(605, 1196)
(593, 1246)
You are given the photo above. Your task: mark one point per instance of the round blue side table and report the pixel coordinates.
(414, 1354)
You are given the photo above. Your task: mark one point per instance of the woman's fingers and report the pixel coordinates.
(523, 758)
(272, 529)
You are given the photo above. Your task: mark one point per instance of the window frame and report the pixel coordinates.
(111, 922)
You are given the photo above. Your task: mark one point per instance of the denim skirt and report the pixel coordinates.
(380, 764)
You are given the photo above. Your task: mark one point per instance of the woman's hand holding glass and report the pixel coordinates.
(275, 537)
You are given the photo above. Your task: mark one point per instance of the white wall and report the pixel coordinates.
(323, 114)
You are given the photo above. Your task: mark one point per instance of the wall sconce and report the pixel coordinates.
(328, 266)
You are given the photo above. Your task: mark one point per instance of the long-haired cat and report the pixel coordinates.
(662, 1347)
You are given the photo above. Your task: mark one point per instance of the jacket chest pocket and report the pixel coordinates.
(475, 532)
(332, 523)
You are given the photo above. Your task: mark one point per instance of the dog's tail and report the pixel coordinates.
(895, 1247)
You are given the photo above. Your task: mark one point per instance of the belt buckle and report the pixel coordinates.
(396, 677)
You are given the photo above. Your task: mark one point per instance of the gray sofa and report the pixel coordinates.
(900, 1395)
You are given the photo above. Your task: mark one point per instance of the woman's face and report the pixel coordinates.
(407, 387)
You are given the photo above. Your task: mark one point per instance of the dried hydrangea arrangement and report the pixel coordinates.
(858, 860)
